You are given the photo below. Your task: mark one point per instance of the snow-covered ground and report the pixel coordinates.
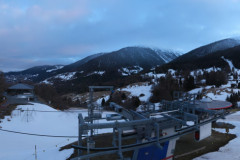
(56, 68)
(231, 65)
(151, 74)
(66, 76)
(96, 72)
(99, 101)
(201, 71)
(63, 77)
(58, 123)
(137, 90)
(231, 150)
(126, 71)
(215, 93)
(196, 91)
(46, 81)
(221, 97)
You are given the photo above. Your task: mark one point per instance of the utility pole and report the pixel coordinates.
(27, 115)
(35, 152)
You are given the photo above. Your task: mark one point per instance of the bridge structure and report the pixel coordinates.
(152, 133)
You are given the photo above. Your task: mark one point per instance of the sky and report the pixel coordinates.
(49, 32)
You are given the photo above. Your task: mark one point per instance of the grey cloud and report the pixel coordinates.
(59, 31)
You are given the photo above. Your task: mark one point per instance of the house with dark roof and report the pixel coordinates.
(21, 90)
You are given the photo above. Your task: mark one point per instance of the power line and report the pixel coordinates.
(49, 111)
(41, 135)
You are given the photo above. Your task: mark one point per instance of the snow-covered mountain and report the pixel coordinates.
(107, 66)
(132, 58)
(33, 74)
(75, 65)
(167, 55)
(209, 48)
(216, 46)
(208, 56)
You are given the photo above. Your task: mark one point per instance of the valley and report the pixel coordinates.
(119, 80)
(145, 78)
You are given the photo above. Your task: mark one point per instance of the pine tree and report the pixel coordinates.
(189, 83)
(103, 102)
(238, 85)
(123, 96)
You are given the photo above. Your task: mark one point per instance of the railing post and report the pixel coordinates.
(80, 132)
(120, 143)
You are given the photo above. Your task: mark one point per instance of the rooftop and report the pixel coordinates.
(21, 86)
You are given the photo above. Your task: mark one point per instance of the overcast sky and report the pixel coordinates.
(38, 32)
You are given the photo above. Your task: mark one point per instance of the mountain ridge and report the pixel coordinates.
(134, 59)
(205, 56)
(209, 48)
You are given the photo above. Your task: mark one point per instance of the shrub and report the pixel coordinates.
(132, 103)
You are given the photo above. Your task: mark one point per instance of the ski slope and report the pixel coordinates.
(50, 122)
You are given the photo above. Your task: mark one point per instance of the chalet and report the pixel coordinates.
(21, 90)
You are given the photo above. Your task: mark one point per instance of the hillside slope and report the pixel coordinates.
(207, 56)
(124, 62)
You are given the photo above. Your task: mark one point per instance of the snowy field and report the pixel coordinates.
(137, 90)
(231, 150)
(215, 93)
(50, 122)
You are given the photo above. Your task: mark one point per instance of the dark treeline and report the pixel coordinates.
(165, 86)
(216, 78)
(234, 98)
(80, 85)
(50, 95)
(129, 102)
(164, 89)
(2, 86)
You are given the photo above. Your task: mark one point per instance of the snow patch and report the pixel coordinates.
(137, 90)
(212, 69)
(99, 101)
(151, 74)
(56, 68)
(65, 76)
(96, 72)
(126, 71)
(172, 71)
(232, 67)
(201, 71)
(196, 91)
(46, 81)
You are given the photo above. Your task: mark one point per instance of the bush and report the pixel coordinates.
(120, 98)
(49, 94)
(117, 97)
(132, 103)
